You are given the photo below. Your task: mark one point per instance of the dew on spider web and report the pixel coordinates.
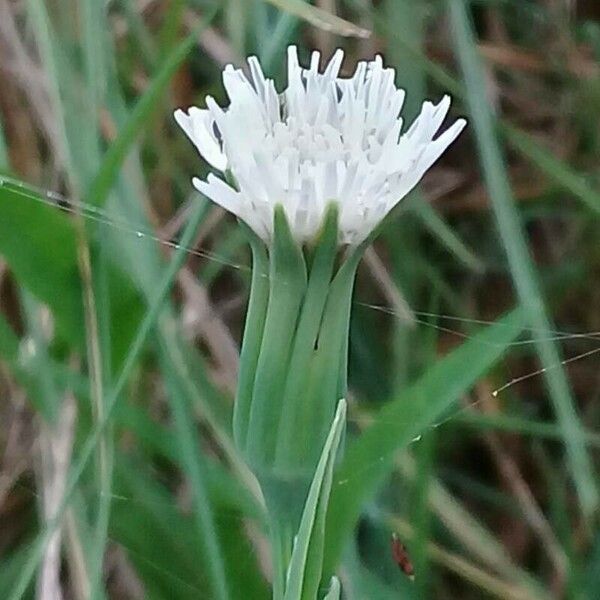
(423, 318)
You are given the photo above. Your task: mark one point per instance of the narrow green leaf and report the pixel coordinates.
(48, 267)
(253, 336)
(287, 285)
(446, 235)
(370, 458)
(306, 564)
(295, 409)
(328, 376)
(321, 18)
(556, 170)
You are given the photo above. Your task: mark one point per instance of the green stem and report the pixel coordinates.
(281, 551)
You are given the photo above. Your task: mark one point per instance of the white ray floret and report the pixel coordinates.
(325, 138)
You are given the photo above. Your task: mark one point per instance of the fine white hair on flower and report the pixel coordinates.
(325, 138)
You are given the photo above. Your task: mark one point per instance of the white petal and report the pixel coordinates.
(439, 114)
(198, 126)
(333, 68)
(220, 193)
(436, 148)
(185, 122)
(258, 77)
(324, 138)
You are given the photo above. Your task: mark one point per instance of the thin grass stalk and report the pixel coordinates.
(94, 357)
(520, 262)
(95, 71)
(193, 463)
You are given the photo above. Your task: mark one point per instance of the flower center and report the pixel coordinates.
(305, 142)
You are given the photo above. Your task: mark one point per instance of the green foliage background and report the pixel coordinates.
(122, 299)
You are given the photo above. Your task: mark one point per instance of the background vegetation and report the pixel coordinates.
(122, 297)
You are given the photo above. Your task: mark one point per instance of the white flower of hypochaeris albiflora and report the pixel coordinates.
(325, 138)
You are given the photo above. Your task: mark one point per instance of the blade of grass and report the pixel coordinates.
(107, 173)
(97, 295)
(141, 37)
(236, 21)
(403, 237)
(519, 259)
(555, 169)
(50, 61)
(306, 563)
(272, 49)
(82, 146)
(320, 18)
(170, 27)
(48, 269)
(192, 462)
(89, 445)
(447, 236)
(370, 458)
(106, 443)
(420, 513)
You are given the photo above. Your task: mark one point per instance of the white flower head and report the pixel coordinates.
(325, 138)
